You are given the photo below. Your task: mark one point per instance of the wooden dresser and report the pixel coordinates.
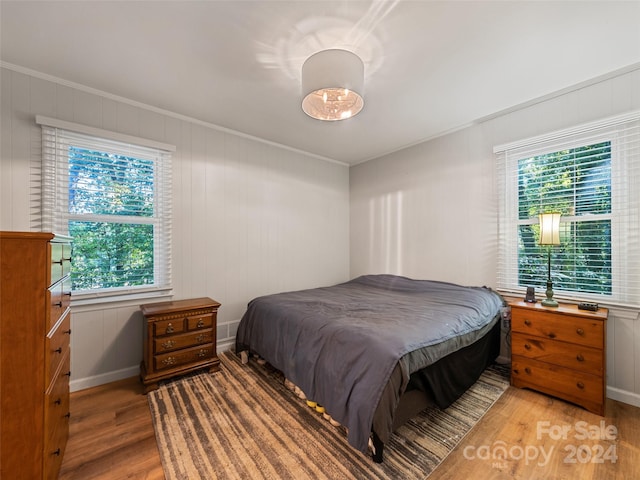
(180, 337)
(560, 351)
(35, 331)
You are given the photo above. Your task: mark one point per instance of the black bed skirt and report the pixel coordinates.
(448, 378)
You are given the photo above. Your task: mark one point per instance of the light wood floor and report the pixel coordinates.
(111, 437)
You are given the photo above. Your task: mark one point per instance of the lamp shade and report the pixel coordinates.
(549, 228)
(332, 85)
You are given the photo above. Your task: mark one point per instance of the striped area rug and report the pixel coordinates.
(243, 423)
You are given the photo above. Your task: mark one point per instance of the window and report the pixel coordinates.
(590, 175)
(112, 195)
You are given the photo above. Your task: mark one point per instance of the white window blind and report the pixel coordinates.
(591, 175)
(112, 194)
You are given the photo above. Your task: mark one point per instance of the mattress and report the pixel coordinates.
(341, 344)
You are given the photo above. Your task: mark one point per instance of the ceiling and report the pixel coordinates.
(430, 67)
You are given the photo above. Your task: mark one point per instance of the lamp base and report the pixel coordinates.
(549, 301)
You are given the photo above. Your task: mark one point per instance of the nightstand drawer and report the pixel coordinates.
(572, 329)
(577, 387)
(168, 327)
(585, 359)
(197, 322)
(191, 356)
(176, 342)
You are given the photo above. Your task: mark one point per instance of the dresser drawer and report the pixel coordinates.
(185, 340)
(60, 261)
(572, 385)
(59, 299)
(191, 356)
(578, 357)
(168, 327)
(56, 418)
(57, 347)
(572, 329)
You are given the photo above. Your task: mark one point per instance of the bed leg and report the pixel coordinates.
(244, 356)
(378, 448)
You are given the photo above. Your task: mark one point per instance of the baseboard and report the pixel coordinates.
(503, 360)
(223, 347)
(94, 381)
(623, 396)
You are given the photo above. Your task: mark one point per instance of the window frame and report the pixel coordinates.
(622, 132)
(53, 193)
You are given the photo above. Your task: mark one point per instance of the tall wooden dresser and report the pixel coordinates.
(35, 331)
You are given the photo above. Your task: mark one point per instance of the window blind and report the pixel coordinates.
(590, 174)
(101, 186)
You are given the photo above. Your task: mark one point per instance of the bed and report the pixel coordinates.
(376, 350)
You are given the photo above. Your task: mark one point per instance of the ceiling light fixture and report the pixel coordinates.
(332, 85)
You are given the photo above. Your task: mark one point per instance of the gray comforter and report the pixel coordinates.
(339, 344)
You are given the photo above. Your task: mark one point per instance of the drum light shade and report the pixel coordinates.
(549, 229)
(550, 236)
(332, 85)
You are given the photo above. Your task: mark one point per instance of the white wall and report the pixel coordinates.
(249, 218)
(426, 212)
(430, 211)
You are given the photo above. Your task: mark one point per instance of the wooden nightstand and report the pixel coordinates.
(561, 352)
(180, 337)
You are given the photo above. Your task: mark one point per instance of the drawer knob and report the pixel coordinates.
(527, 370)
(58, 350)
(580, 331)
(202, 353)
(58, 401)
(580, 357)
(200, 324)
(67, 332)
(56, 453)
(68, 374)
(68, 415)
(527, 323)
(169, 328)
(552, 335)
(58, 304)
(168, 344)
(527, 346)
(580, 385)
(200, 338)
(169, 361)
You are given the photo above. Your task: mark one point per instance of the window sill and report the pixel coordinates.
(83, 302)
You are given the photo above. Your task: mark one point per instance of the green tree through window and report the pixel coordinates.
(111, 201)
(577, 183)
